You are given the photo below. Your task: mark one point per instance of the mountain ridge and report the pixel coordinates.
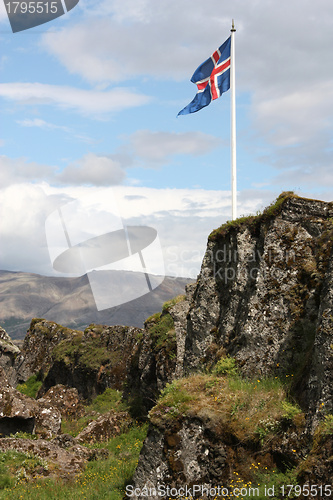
(70, 302)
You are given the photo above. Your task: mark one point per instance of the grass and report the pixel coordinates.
(110, 399)
(162, 332)
(16, 467)
(250, 410)
(252, 221)
(101, 480)
(30, 387)
(170, 303)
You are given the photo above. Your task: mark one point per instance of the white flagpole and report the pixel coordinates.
(233, 124)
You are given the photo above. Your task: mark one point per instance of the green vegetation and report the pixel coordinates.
(34, 322)
(89, 351)
(101, 480)
(225, 366)
(16, 467)
(170, 303)
(30, 387)
(327, 425)
(162, 332)
(110, 399)
(253, 221)
(250, 414)
(20, 473)
(250, 410)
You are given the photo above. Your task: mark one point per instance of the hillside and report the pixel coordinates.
(69, 301)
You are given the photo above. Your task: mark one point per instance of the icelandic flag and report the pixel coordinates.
(212, 79)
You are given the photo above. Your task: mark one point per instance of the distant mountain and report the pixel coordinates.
(70, 302)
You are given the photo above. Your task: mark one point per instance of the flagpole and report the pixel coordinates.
(233, 124)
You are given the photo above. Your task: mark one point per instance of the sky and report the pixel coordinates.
(89, 105)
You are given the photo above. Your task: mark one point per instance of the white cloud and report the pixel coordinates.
(83, 101)
(294, 116)
(182, 231)
(152, 148)
(13, 171)
(44, 125)
(37, 122)
(157, 147)
(93, 170)
(24, 208)
(127, 42)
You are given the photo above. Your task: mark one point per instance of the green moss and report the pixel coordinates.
(162, 331)
(34, 321)
(30, 387)
(253, 221)
(290, 410)
(153, 318)
(170, 303)
(68, 349)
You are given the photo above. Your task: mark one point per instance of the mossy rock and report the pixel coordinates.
(253, 221)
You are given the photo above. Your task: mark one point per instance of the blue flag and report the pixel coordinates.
(212, 79)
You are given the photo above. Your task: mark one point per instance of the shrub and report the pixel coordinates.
(226, 366)
(290, 410)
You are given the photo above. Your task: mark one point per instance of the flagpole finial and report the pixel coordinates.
(233, 26)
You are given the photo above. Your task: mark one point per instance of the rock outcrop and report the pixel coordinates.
(19, 413)
(8, 354)
(105, 427)
(89, 361)
(60, 458)
(139, 362)
(263, 298)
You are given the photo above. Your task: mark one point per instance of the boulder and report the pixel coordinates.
(60, 461)
(19, 413)
(66, 399)
(105, 427)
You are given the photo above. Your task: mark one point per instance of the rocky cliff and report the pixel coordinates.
(263, 300)
(264, 296)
